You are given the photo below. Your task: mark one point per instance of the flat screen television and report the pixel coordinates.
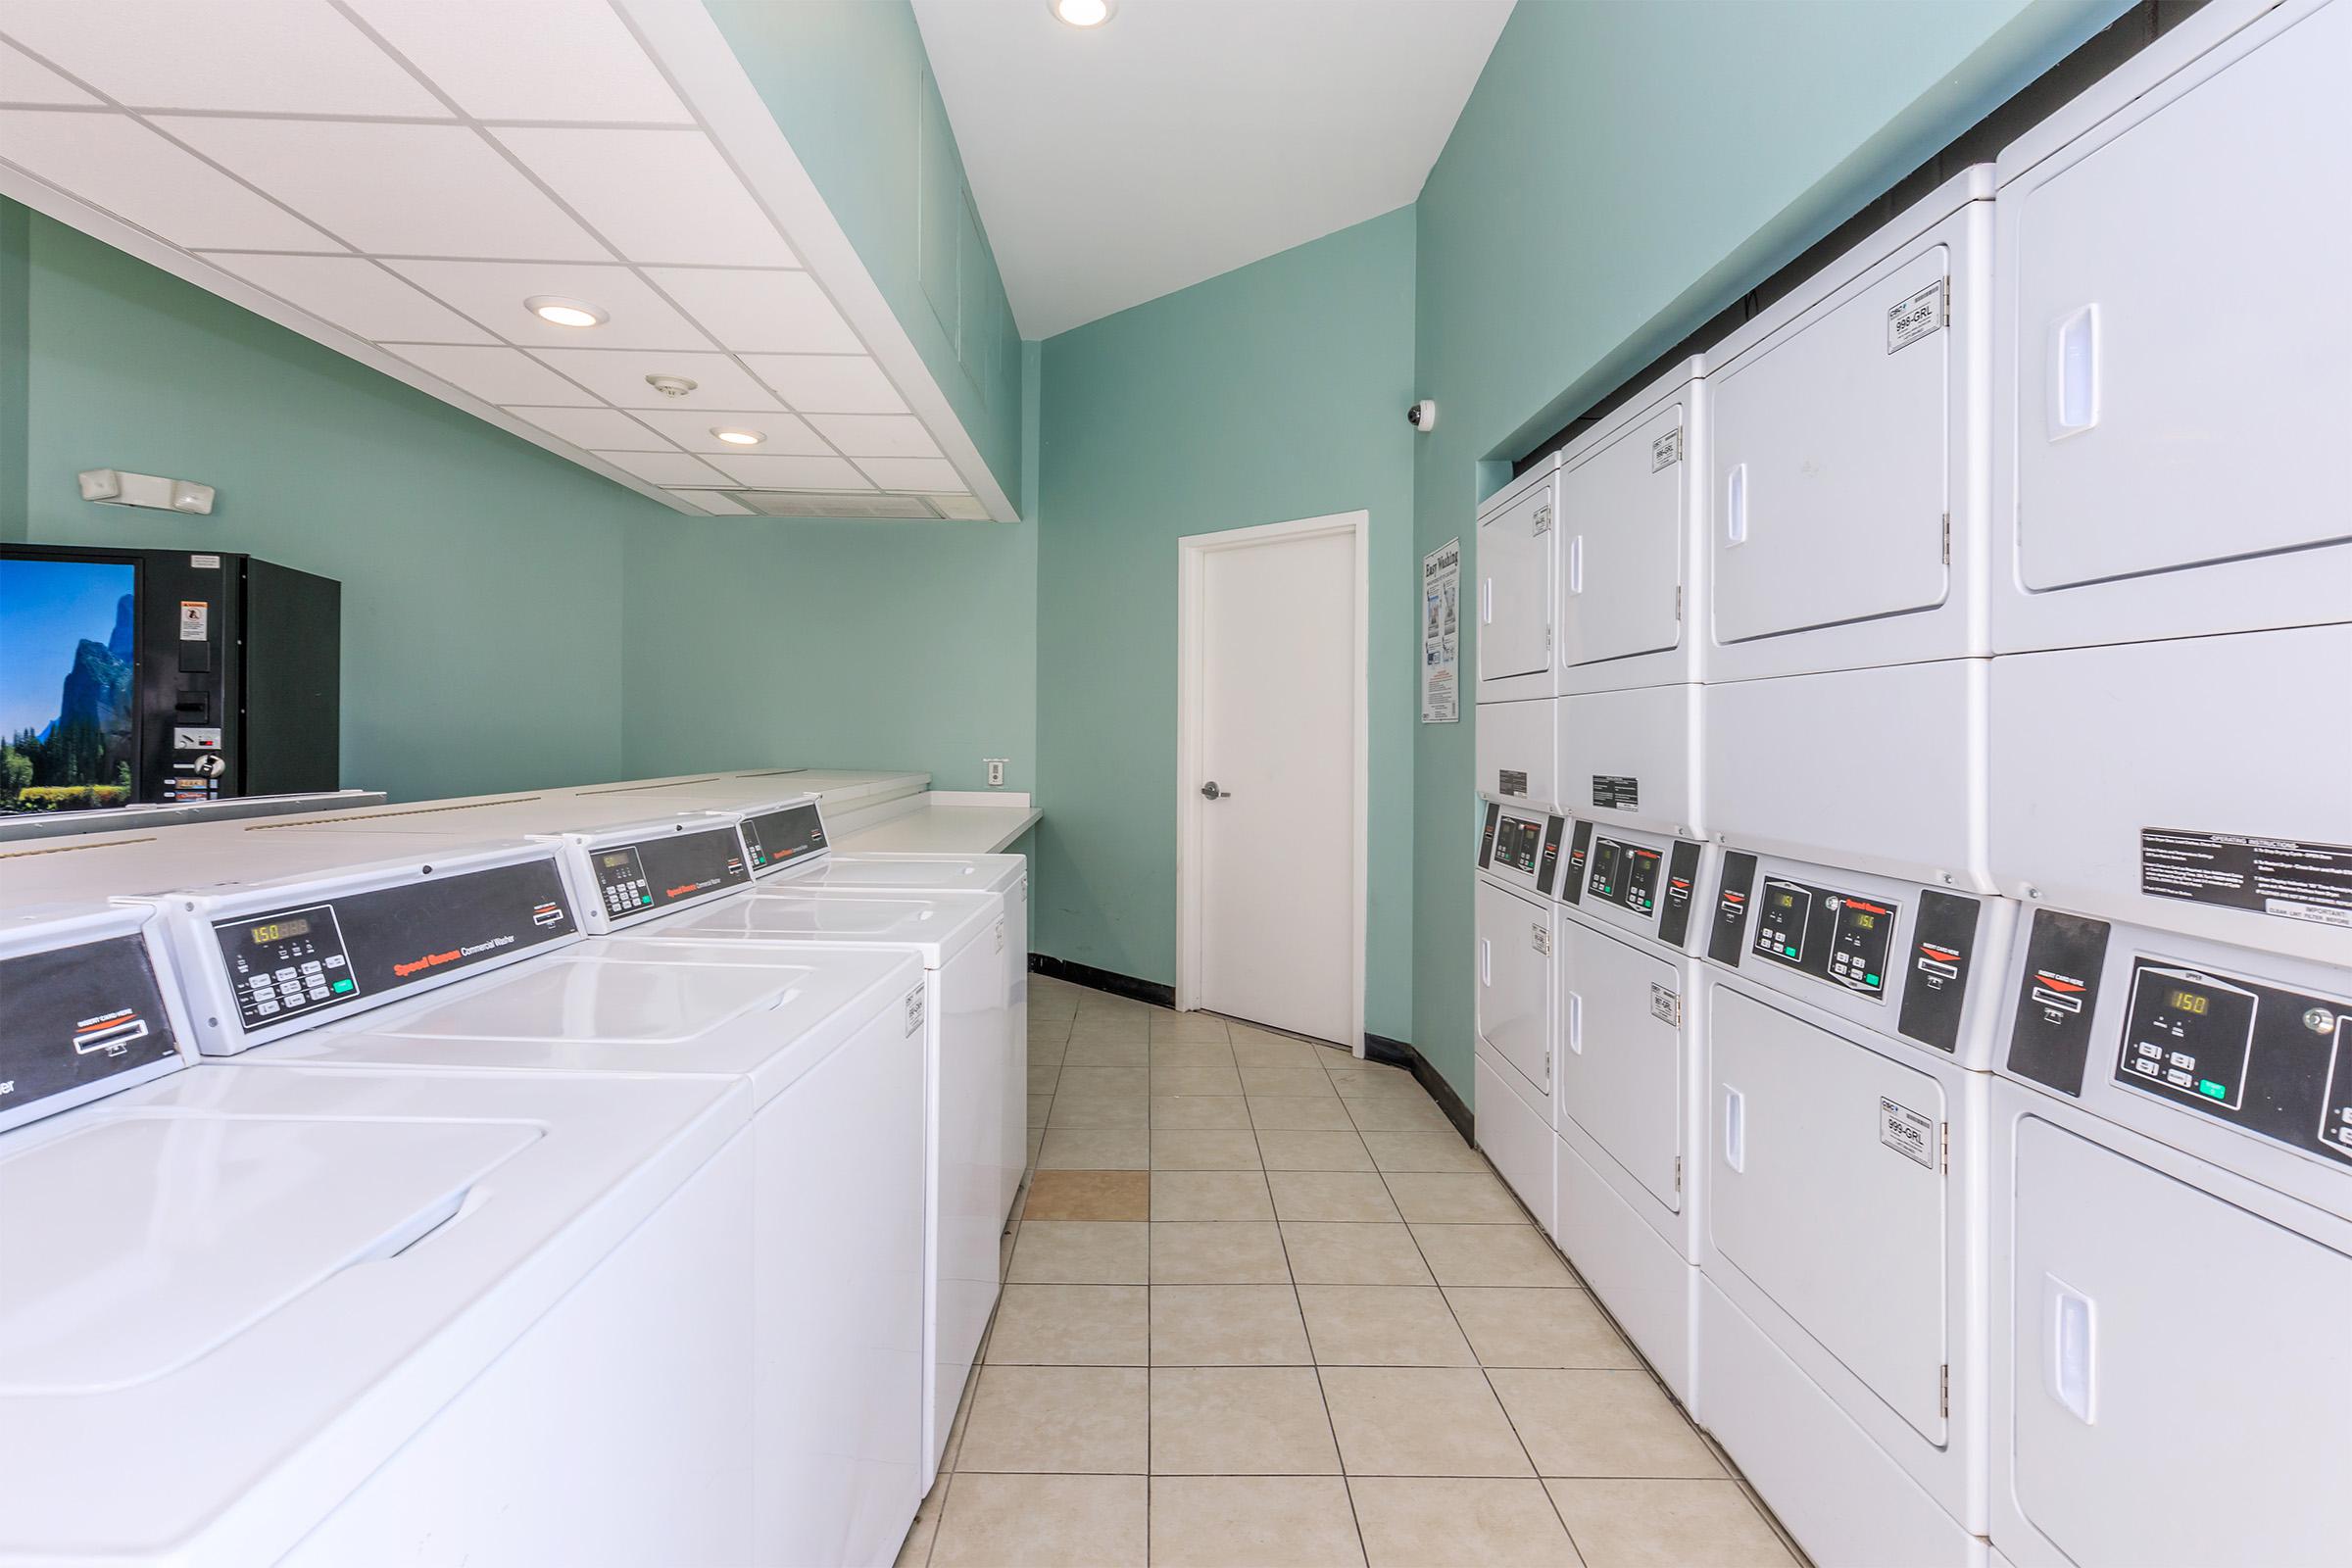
(68, 682)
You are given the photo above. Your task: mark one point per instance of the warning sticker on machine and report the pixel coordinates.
(2282, 877)
(914, 1010)
(1915, 317)
(1907, 1132)
(1510, 781)
(1619, 791)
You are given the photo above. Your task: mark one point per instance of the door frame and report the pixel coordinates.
(1191, 559)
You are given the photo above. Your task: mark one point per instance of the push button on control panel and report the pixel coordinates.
(2263, 1059)
(1842, 938)
(284, 963)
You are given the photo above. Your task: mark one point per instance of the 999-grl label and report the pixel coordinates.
(2285, 878)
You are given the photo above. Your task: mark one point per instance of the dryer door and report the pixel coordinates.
(1623, 566)
(2194, 251)
(1817, 1201)
(1514, 588)
(1831, 463)
(2182, 1380)
(1621, 1068)
(1514, 981)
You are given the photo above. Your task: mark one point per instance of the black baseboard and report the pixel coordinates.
(1400, 1054)
(1094, 979)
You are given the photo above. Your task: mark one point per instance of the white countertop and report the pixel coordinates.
(949, 822)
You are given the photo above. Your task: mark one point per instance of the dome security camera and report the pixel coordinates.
(1422, 415)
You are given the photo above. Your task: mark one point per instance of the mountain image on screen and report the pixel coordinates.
(83, 755)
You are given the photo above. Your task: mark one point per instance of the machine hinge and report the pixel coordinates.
(1947, 302)
(1678, 1173)
(1678, 602)
(1547, 639)
(1943, 1391)
(1944, 1147)
(1947, 538)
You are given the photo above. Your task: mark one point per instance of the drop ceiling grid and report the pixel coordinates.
(856, 475)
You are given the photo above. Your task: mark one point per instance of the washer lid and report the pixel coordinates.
(626, 1004)
(136, 1244)
(991, 873)
(938, 924)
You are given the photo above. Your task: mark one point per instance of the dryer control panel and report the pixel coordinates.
(2270, 1059)
(1522, 847)
(1833, 936)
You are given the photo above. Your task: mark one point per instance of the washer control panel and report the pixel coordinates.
(291, 962)
(784, 836)
(639, 873)
(2270, 1061)
(620, 882)
(1839, 936)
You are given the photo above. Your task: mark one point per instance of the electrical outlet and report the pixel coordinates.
(995, 772)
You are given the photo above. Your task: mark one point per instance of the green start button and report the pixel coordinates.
(2211, 1090)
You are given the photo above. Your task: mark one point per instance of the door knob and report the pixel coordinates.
(1211, 792)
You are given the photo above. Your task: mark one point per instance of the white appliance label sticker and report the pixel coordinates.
(1915, 317)
(914, 1010)
(1667, 449)
(205, 562)
(1511, 781)
(1665, 1005)
(2292, 879)
(195, 620)
(1907, 1132)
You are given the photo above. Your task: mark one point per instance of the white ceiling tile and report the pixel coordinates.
(714, 502)
(876, 435)
(595, 429)
(913, 474)
(829, 383)
(759, 312)
(618, 375)
(793, 473)
(285, 56)
(662, 196)
(528, 59)
(25, 80)
(664, 468)
(495, 376)
(493, 293)
(355, 294)
(960, 509)
(397, 190)
(691, 428)
(115, 163)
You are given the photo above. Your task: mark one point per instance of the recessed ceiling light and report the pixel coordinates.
(1081, 13)
(560, 311)
(738, 438)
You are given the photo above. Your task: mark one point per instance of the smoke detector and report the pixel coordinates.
(670, 386)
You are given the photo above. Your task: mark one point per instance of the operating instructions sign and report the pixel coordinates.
(2288, 878)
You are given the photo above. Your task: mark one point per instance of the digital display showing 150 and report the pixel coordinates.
(2189, 1001)
(281, 931)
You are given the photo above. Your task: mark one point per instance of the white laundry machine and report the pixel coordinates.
(834, 1057)
(1845, 709)
(1516, 611)
(965, 1019)
(1517, 931)
(788, 844)
(1628, 1100)
(2171, 327)
(2172, 1243)
(1634, 583)
(1849, 1020)
(340, 1317)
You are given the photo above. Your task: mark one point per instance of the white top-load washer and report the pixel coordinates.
(834, 1056)
(1849, 1020)
(2172, 1245)
(1516, 931)
(650, 877)
(1630, 1066)
(788, 845)
(1847, 657)
(1634, 586)
(1516, 608)
(340, 1316)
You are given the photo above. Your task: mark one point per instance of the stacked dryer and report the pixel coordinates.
(2172, 749)
(1845, 1002)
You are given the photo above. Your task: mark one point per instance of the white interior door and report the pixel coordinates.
(1276, 647)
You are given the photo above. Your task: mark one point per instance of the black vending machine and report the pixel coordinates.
(163, 676)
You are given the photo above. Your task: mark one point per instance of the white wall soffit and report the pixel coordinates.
(393, 177)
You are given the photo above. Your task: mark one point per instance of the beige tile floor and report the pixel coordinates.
(1265, 1309)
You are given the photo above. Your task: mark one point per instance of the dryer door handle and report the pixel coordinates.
(2070, 1351)
(1486, 961)
(1576, 1022)
(1734, 506)
(1734, 1129)
(2074, 392)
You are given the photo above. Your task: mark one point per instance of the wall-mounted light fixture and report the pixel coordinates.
(117, 488)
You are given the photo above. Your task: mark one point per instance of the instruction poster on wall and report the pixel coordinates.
(1442, 634)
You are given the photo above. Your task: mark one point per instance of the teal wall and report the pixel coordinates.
(16, 277)
(1273, 392)
(480, 574)
(1620, 174)
(851, 87)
